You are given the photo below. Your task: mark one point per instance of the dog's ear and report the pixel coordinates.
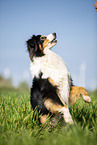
(34, 46)
(31, 43)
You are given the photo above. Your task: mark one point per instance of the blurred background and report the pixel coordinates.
(75, 23)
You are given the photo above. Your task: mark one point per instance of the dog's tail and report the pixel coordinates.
(77, 92)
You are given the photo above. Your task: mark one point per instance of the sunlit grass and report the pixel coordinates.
(19, 124)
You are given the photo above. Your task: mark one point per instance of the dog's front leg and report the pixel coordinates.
(64, 89)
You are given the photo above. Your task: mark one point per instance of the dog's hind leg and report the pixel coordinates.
(43, 118)
(77, 92)
(54, 108)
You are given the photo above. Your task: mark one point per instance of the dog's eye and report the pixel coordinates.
(43, 38)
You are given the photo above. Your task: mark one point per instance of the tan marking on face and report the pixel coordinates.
(40, 47)
(45, 44)
(40, 44)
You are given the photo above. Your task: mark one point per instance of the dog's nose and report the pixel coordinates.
(54, 34)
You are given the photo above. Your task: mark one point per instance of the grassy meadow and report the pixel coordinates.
(19, 124)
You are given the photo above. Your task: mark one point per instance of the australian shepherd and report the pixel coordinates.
(52, 88)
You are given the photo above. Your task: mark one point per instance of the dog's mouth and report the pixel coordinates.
(50, 41)
(53, 41)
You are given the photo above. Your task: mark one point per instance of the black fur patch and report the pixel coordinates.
(43, 89)
(33, 46)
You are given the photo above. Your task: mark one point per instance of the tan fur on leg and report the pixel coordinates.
(52, 82)
(76, 92)
(43, 118)
(54, 108)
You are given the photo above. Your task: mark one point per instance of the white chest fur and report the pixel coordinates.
(51, 65)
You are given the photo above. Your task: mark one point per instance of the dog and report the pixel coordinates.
(54, 73)
(50, 64)
(51, 79)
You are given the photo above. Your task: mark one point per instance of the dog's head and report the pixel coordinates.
(37, 44)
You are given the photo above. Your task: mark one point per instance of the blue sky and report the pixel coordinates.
(74, 21)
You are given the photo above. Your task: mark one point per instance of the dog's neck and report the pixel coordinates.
(47, 49)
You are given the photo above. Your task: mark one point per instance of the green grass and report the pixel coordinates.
(19, 125)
